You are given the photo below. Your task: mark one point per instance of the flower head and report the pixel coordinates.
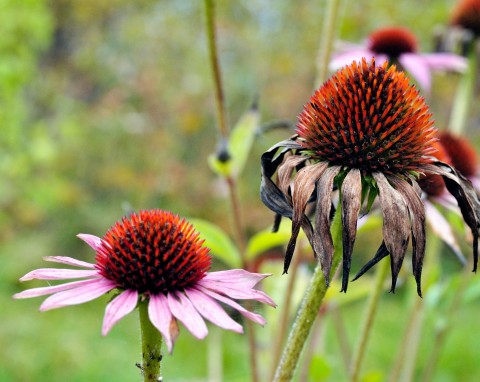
(467, 16)
(367, 133)
(152, 255)
(399, 46)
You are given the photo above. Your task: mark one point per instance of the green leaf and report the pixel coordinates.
(266, 239)
(220, 244)
(221, 168)
(241, 139)
(320, 369)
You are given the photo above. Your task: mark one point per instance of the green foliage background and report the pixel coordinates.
(108, 106)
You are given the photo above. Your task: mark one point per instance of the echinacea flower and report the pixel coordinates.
(152, 255)
(368, 133)
(399, 46)
(466, 15)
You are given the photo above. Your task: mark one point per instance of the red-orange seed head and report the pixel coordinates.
(467, 15)
(368, 117)
(153, 252)
(462, 155)
(392, 41)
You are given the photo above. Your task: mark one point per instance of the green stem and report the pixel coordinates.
(325, 49)
(463, 98)
(151, 346)
(214, 62)
(309, 309)
(359, 354)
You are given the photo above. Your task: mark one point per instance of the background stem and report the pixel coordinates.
(151, 346)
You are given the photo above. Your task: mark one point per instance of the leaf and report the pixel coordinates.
(241, 139)
(320, 368)
(266, 240)
(220, 244)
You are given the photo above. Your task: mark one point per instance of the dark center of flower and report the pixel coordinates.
(392, 41)
(368, 117)
(467, 15)
(154, 252)
(462, 155)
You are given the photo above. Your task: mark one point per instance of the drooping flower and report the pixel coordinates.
(368, 133)
(152, 255)
(399, 46)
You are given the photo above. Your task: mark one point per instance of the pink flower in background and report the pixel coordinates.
(399, 46)
(152, 255)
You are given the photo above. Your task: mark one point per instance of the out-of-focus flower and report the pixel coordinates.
(399, 46)
(466, 15)
(368, 133)
(152, 255)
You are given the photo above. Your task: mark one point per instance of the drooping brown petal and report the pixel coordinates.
(396, 223)
(417, 216)
(351, 202)
(323, 242)
(382, 252)
(463, 191)
(304, 185)
(285, 171)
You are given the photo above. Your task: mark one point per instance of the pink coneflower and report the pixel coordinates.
(399, 46)
(152, 255)
(366, 132)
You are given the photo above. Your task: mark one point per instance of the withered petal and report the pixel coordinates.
(285, 171)
(382, 252)
(417, 216)
(322, 220)
(396, 223)
(351, 195)
(463, 191)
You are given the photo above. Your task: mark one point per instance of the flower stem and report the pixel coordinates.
(371, 312)
(328, 31)
(151, 346)
(309, 309)
(463, 98)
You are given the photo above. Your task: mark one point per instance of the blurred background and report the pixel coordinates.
(108, 106)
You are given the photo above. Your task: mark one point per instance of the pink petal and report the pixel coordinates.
(475, 181)
(443, 230)
(162, 318)
(118, 308)
(183, 309)
(236, 291)
(416, 65)
(250, 315)
(78, 295)
(446, 61)
(240, 277)
(58, 274)
(212, 310)
(93, 241)
(35, 292)
(346, 57)
(69, 261)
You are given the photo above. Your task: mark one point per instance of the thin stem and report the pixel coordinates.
(215, 64)
(285, 315)
(309, 309)
(313, 345)
(215, 349)
(151, 346)
(371, 312)
(325, 49)
(341, 332)
(463, 98)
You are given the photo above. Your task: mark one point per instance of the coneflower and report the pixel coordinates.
(466, 15)
(368, 133)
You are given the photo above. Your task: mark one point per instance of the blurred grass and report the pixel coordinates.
(107, 106)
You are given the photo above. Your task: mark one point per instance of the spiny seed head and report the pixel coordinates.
(153, 252)
(467, 15)
(392, 41)
(462, 155)
(433, 185)
(368, 117)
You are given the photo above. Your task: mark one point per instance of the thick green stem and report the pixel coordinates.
(309, 309)
(328, 33)
(463, 98)
(151, 346)
(370, 314)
